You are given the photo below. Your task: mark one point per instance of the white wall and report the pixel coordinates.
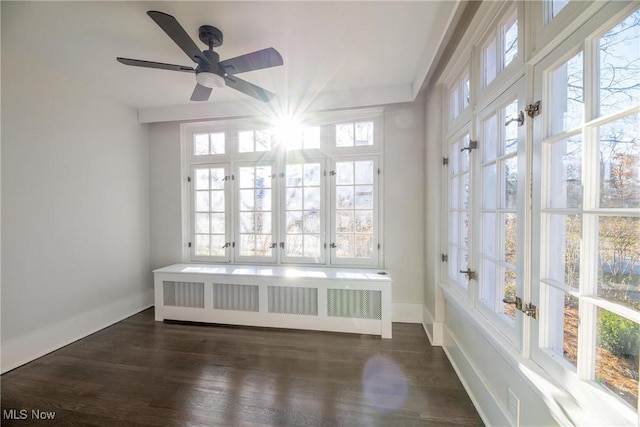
(403, 208)
(75, 211)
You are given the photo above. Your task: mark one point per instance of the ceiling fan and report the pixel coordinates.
(210, 71)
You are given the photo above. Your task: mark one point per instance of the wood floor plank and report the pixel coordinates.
(145, 373)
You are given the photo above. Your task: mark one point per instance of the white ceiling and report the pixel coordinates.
(351, 52)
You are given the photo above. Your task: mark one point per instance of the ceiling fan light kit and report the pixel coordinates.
(210, 80)
(211, 73)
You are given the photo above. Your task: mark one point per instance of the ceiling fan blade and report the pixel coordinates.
(159, 65)
(249, 88)
(200, 93)
(260, 59)
(174, 30)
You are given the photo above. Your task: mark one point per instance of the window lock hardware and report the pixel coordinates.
(519, 118)
(472, 146)
(332, 173)
(333, 246)
(444, 258)
(282, 245)
(517, 302)
(445, 161)
(226, 245)
(531, 310)
(273, 245)
(471, 275)
(281, 175)
(533, 109)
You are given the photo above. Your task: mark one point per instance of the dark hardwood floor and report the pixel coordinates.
(139, 372)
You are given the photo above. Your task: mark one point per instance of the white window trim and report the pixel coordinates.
(574, 404)
(327, 151)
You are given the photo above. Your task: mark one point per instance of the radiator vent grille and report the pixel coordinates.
(361, 304)
(288, 300)
(235, 297)
(184, 294)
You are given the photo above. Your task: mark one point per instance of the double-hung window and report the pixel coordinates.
(307, 194)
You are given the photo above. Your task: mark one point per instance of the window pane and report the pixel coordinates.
(510, 238)
(617, 355)
(312, 174)
(364, 246)
(508, 290)
(263, 140)
(364, 172)
(563, 324)
(620, 66)
(293, 245)
(511, 129)
(510, 196)
(565, 173)
(344, 173)
(201, 144)
(455, 102)
(312, 198)
(567, 95)
(489, 151)
(364, 133)
(294, 199)
(293, 222)
(344, 135)
(488, 283)
(344, 197)
(245, 141)
(489, 235)
(217, 247)
(202, 245)
(247, 199)
(511, 39)
(217, 143)
(311, 222)
(490, 62)
(465, 91)
(311, 137)
(564, 235)
(345, 246)
(620, 163)
(202, 179)
(311, 246)
(344, 221)
(364, 196)
(202, 201)
(489, 181)
(619, 260)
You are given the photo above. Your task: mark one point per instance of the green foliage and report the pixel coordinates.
(618, 335)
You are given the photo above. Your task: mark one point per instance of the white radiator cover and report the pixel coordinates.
(329, 299)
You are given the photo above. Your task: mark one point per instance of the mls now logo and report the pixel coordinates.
(23, 414)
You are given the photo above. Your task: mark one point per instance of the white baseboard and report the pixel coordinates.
(433, 329)
(406, 312)
(24, 349)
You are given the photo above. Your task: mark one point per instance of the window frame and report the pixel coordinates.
(278, 157)
(581, 377)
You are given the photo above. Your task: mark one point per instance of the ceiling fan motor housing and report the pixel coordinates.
(211, 36)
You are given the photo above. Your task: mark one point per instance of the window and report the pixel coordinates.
(588, 211)
(355, 205)
(459, 213)
(500, 211)
(459, 97)
(500, 49)
(210, 203)
(284, 194)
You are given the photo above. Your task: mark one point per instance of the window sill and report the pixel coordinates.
(564, 406)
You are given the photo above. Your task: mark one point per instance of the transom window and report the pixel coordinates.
(283, 194)
(500, 49)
